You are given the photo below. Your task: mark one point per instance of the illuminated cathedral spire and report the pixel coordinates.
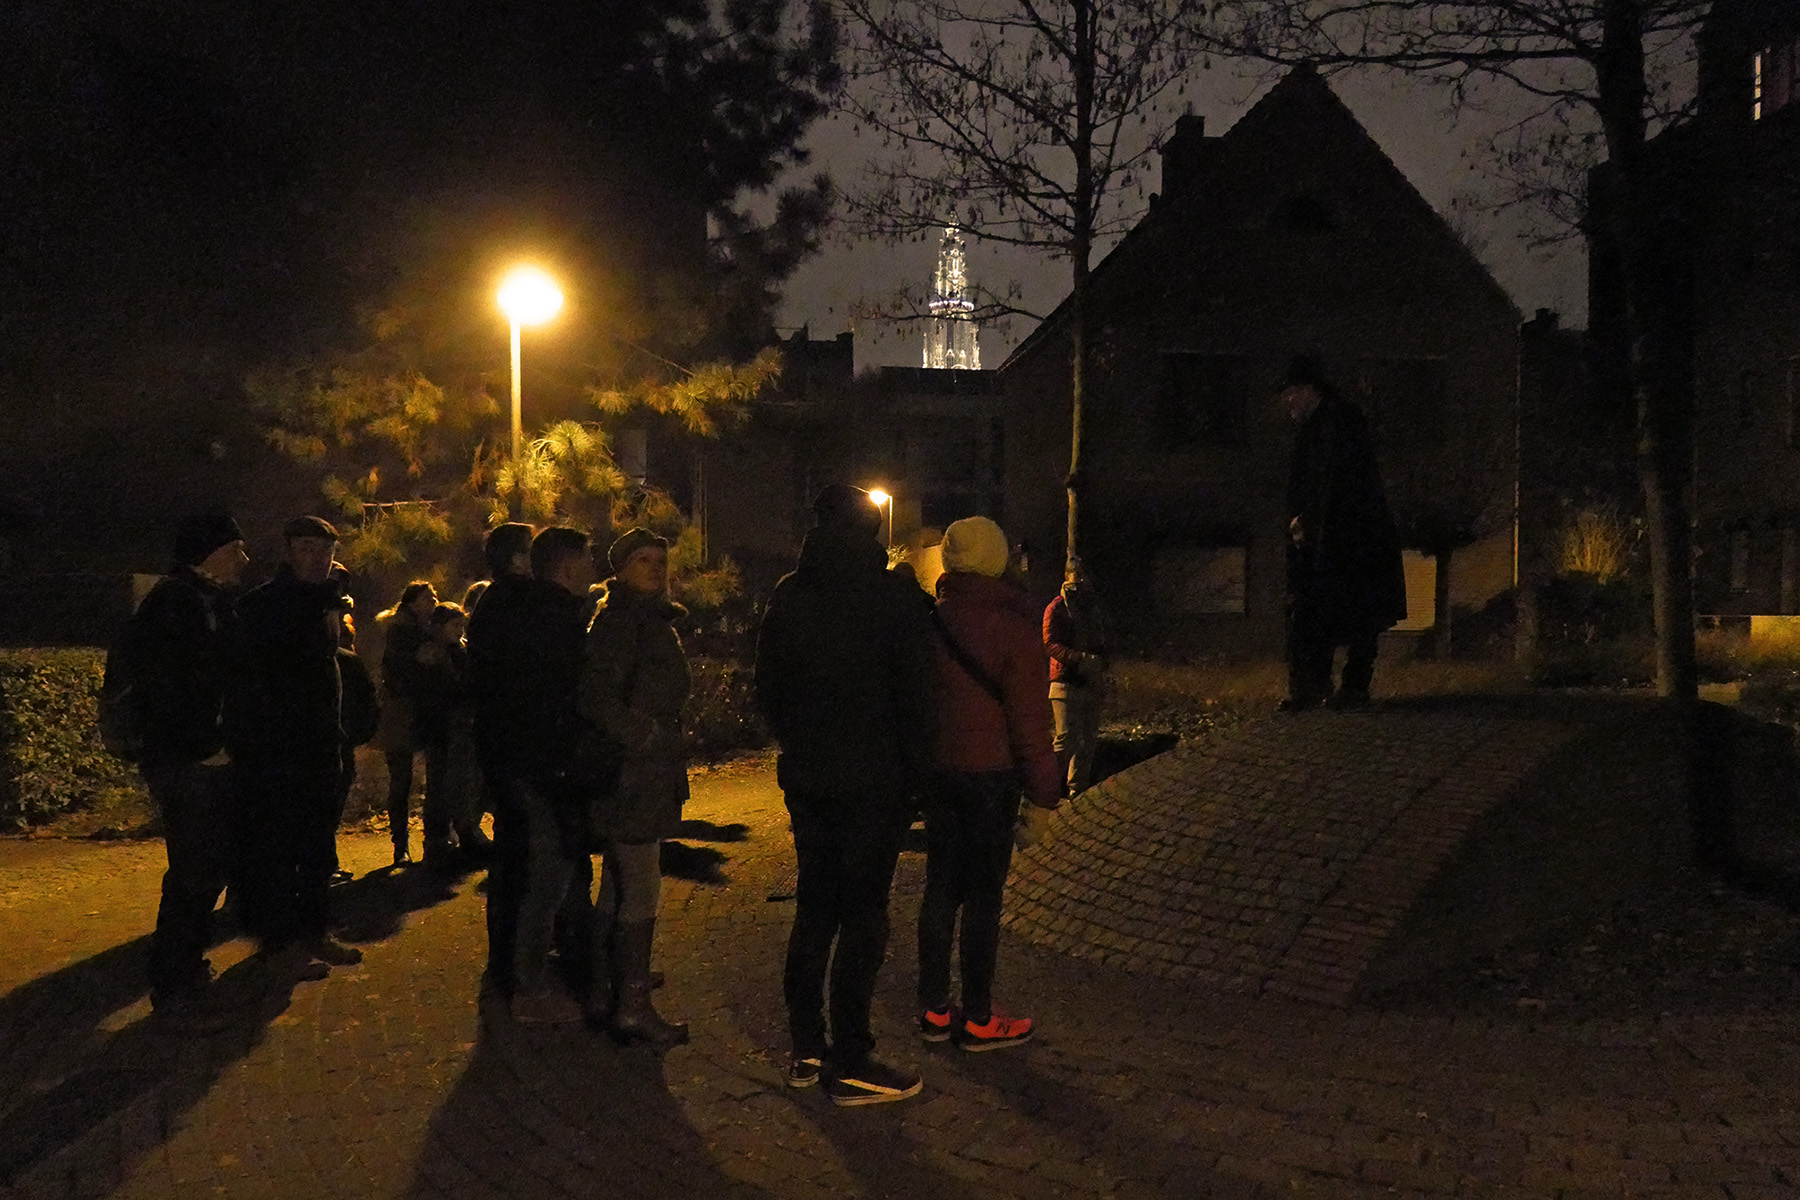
(950, 337)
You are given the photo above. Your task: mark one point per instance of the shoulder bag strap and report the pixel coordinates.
(967, 661)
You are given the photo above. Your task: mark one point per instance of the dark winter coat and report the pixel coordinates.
(1348, 562)
(843, 672)
(444, 689)
(181, 647)
(634, 684)
(525, 653)
(1070, 632)
(402, 681)
(361, 707)
(288, 638)
(995, 623)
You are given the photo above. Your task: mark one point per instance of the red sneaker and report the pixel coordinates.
(937, 1024)
(997, 1032)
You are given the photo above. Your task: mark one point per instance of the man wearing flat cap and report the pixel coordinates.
(179, 646)
(289, 747)
(1345, 579)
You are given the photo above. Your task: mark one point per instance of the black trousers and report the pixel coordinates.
(847, 847)
(288, 845)
(508, 873)
(1323, 615)
(436, 812)
(195, 804)
(968, 851)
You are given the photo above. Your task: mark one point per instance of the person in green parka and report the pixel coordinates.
(634, 684)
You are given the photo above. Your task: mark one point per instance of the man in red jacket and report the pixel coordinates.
(993, 742)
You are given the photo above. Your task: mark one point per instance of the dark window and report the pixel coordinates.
(1739, 544)
(1793, 402)
(1745, 398)
(1203, 400)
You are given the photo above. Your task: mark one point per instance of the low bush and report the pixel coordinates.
(51, 760)
(720, 717)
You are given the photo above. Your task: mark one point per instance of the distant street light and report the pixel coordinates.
(527, 297)
(883, 500)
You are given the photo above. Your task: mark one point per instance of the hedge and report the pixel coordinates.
(51, 760)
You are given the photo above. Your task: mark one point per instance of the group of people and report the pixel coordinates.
(556, 704)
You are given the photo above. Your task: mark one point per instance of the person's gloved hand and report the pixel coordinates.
(1033, 827)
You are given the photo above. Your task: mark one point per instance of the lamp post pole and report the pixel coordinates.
(518, 403)
(527, 297)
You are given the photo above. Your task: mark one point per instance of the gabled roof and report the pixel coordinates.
(1299, 112)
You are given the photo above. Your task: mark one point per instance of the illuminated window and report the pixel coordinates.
(1775, 79)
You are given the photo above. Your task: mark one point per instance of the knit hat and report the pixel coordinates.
(977, 546)
(199, 534)
(837, 503)
(629, 543)
(310, 527)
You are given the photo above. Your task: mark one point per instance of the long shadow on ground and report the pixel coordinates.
(543, 1110)
(70, 1073)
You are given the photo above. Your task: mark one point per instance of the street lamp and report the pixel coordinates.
(883, 500)
(527, 297)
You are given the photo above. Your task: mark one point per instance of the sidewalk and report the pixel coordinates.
(386, 1081)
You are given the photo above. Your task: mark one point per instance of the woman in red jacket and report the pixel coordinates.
(993, 744)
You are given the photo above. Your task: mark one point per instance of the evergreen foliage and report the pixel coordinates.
(51, 760)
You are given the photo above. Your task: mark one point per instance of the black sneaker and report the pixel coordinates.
(870, 1082)
(803, 1070)
(937, 1024)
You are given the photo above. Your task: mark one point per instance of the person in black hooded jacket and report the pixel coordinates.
(179, 644)
(844, 680)
(525, 655)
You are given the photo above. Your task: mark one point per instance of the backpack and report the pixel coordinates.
(121, 721)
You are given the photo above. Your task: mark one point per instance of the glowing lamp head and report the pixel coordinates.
(879, 497)
(529, 297)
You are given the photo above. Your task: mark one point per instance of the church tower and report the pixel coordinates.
(950, 335)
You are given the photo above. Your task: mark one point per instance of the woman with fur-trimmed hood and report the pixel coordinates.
(634, 684)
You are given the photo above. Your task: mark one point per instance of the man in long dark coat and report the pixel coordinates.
(1345, 581)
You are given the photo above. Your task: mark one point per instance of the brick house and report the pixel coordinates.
(1291, 232)
(1734, 207)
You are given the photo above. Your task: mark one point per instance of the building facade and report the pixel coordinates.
(1290, 233)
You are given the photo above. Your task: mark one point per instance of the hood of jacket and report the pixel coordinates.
(840, 556)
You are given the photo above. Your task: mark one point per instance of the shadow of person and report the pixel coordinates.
(542, 1109)
(70, 1076)
(695, 830)
(700, 864)
(373, 907)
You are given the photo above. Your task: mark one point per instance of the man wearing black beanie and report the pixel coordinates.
(178, 647)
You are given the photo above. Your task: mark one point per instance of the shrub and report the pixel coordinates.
(51, 760)
(720, 716)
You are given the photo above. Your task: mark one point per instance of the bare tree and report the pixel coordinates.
(1031, 120)
(1598, 76)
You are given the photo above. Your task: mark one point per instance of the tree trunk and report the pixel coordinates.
(1441, 618)
(1080, 246)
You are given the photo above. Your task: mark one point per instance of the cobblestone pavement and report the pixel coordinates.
(387, 1080)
